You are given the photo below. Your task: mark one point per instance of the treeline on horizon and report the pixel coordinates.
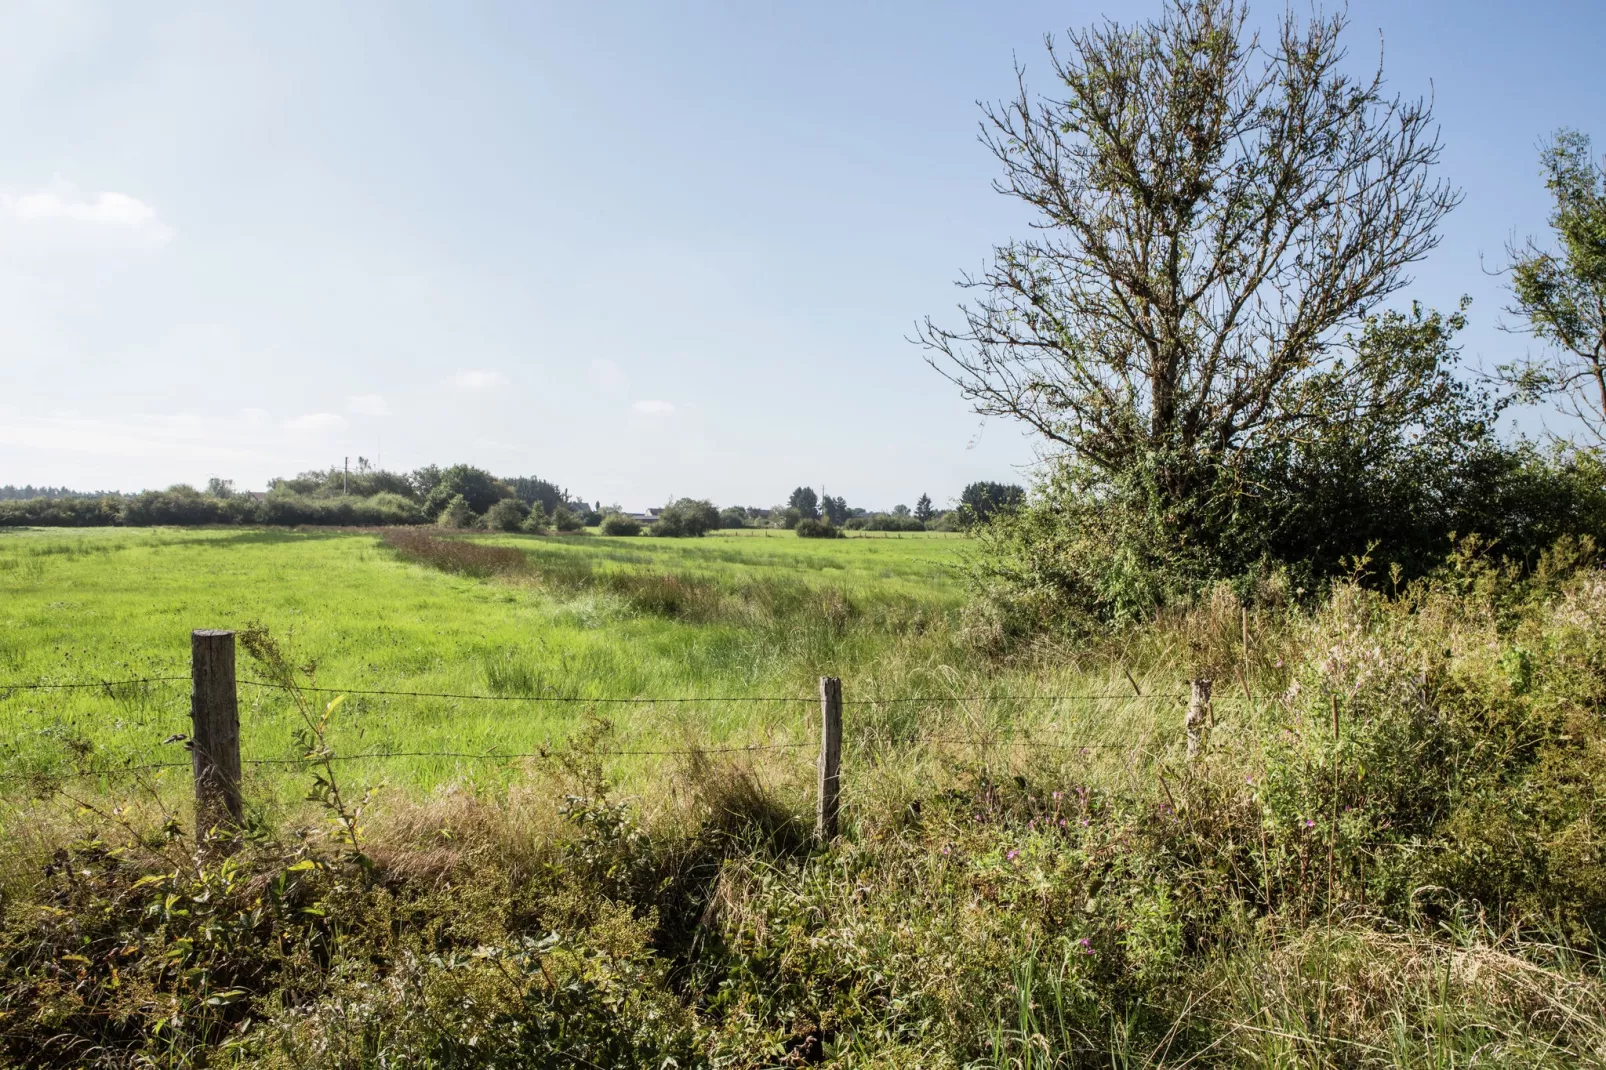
(464, 496)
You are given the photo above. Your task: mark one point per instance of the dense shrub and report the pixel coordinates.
(1084, 553)
(619, 524)
(456, 514)
(508, 514)
(884, 522)
(61, 512)
(810, 528)
(183, 504)
(564, 519)
(536, 521)
(477, 487)
(342, 483)
(379, 510)
(686, 517)
(733, 516)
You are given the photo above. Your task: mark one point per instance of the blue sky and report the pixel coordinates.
(642, 249)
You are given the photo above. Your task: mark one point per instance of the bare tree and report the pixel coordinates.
(1212, 215)
(1562, 296)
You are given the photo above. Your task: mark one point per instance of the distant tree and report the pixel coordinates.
(220, 488)
(24, 493)
(537, 521)
(506, 515)
(923, 510)
(785, 516)
(835, 509)
(456, 513)
(686, 517)
(566, 519)
(530, 490)
(424, 480)
(475, 486)
(806, 502)
(733, 516)
(900, 510)
(1562, 295)
(980, 501)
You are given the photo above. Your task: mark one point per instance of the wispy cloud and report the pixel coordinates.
(63, 204)
(653, 406)
(315, 422)
(477, 380)
(368, 405)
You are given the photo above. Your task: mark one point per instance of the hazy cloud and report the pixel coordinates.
(608, 377)
(64, 204)
(653, 406)
(316, 422)
(477, 380)
(368, 405)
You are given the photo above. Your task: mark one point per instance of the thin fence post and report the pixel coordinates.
(825, 824)
(1198, 713)
(215, 730)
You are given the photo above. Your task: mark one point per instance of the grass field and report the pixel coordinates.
(1031, 873)
(736, 615)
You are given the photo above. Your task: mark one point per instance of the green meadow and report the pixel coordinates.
(712, 623)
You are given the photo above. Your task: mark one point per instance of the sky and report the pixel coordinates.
(644, 250)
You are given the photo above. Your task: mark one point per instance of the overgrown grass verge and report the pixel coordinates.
(1387, 858)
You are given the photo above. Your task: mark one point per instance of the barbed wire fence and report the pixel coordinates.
(216, 762)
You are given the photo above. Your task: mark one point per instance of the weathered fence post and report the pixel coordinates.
(215, 730)
(830, 758)
(1198, 713)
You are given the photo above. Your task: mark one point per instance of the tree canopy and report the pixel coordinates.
(1561, 294)
(1214, 215)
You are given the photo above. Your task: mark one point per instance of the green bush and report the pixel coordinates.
(619, 524)
(385, 509)
(884, 522)
(182, 504)
(104, 511)
(688, 517)
(733, 516)
(565, 520)
(536, 521)
(456, 514)
(809, 528)
(508, 514)
(477, 487)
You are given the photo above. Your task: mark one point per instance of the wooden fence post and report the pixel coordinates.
(215, 730)
(825, 824)
(1198, 712)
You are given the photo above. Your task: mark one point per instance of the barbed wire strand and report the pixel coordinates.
(85, 774)
(475, 697)
(95, 683)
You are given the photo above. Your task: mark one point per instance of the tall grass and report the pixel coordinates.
(1032, 874)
